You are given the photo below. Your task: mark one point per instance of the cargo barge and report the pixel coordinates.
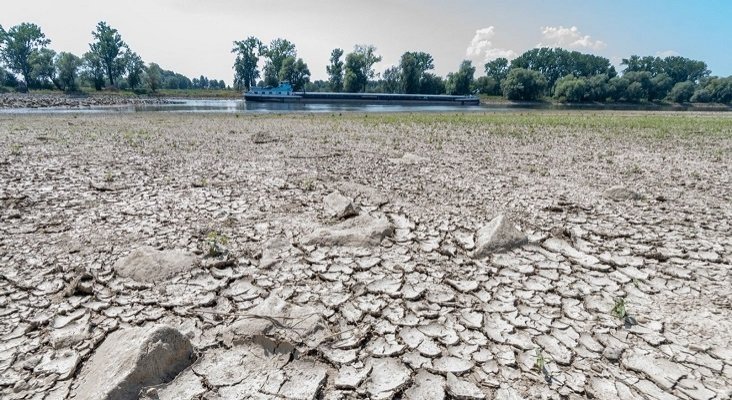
(284, 94)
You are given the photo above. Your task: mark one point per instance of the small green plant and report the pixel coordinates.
(620, 311)
(540, 365)
(308, 185)
(108, 177)
(15, 149)
(216, 243)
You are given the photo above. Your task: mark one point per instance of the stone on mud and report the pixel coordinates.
(621, 193)
(148, 265)
(499, 235)
(338, 206)
(131, 359)
(361, 231)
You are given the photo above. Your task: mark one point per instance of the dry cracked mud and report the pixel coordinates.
(506, 256)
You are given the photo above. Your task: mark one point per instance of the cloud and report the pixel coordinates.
(667, 53)
(481, 48)
(559, 36)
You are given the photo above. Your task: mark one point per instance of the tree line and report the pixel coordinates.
(109, 63)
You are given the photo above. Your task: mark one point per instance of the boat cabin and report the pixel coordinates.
(284, 89)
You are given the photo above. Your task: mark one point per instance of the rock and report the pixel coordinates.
(361, 231)
(621, 193)
(660, 370)
(388, 376)
(148, 265)
(463, 390)
(131, 359)
(338, 206)
(499, 235)
(276, 323)
(426, 387)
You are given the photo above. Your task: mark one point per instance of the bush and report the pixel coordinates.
(570, 89)
(701, 96)
(681, 92)
(523, 84)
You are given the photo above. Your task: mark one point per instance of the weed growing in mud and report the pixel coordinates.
(216, 243)
(307, 185)
(108, 177)
(16, 149)
(540, 365)
(620, 312)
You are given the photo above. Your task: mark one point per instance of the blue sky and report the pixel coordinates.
(195, 37)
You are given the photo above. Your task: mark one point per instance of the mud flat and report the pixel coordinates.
(506, 256)
(35, 100)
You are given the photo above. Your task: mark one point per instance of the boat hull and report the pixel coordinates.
(364, 98)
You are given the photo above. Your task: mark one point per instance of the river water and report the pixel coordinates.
(240, 106)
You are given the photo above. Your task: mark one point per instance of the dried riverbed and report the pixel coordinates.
(229, 257)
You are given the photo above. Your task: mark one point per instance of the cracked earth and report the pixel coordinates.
(506, 256)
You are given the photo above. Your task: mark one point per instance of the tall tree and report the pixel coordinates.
(392, 79)
(135, 68)
(556, 63)
(497, 69)
(335, 70)
(67, 67)
(110, 48)
(413, 66)
(359, 67)
(276, 53)
(154, 76)
(93, 69)
(43, 71)
(296, 72)
(18, 44)
(247, 53)
(523, 84)
(459, 82)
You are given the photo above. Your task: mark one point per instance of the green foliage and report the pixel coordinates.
(681, 92)
(278, 51)
(432, 84)
(135, 68)
(679, 69)
(359, 68)
(413, 66)
(247, 53)
(43, 71)
(661, 84)
(18, 45)
(719, 89)
(523, 84)
(216, 243)
(392, 80)
(570, 89)
(335, 70)
(296, 72)
(619, 311)
(154, 76)
(109, 47)
(485, 85)
(67, 67)
(556, 63)
(93, 69)
(701, 95)
(498, 70)
(460, 82)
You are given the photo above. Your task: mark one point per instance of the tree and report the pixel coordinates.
(296, 72)
(719, 89)
(432, 84)
(277, 52)
(570, 89)
(93, 69)
(335, 70)
(246, 71)
(67, 67)
(661, 84)
(498, 70)
(392, 80)
(413, 66)
(359, 67)
(43, 71)
(642, 91)
(110, 49)
(18, 44)
(681, 92)
(154, 76)
(485, 85)
(459, 83)
(523, 84)
(678, 69)
(556, 63)
(135, 68)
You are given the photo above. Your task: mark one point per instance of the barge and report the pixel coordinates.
(284, 94)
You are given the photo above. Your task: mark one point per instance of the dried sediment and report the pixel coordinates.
(405, 311)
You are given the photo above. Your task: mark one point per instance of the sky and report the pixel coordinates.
(195, 37)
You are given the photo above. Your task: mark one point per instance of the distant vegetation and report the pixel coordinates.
(26, 62)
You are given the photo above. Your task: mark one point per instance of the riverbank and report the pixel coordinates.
(47, 100)
(507, 256)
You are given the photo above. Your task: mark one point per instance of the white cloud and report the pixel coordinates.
(667, 53)
(481, 48)
(559, 36)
